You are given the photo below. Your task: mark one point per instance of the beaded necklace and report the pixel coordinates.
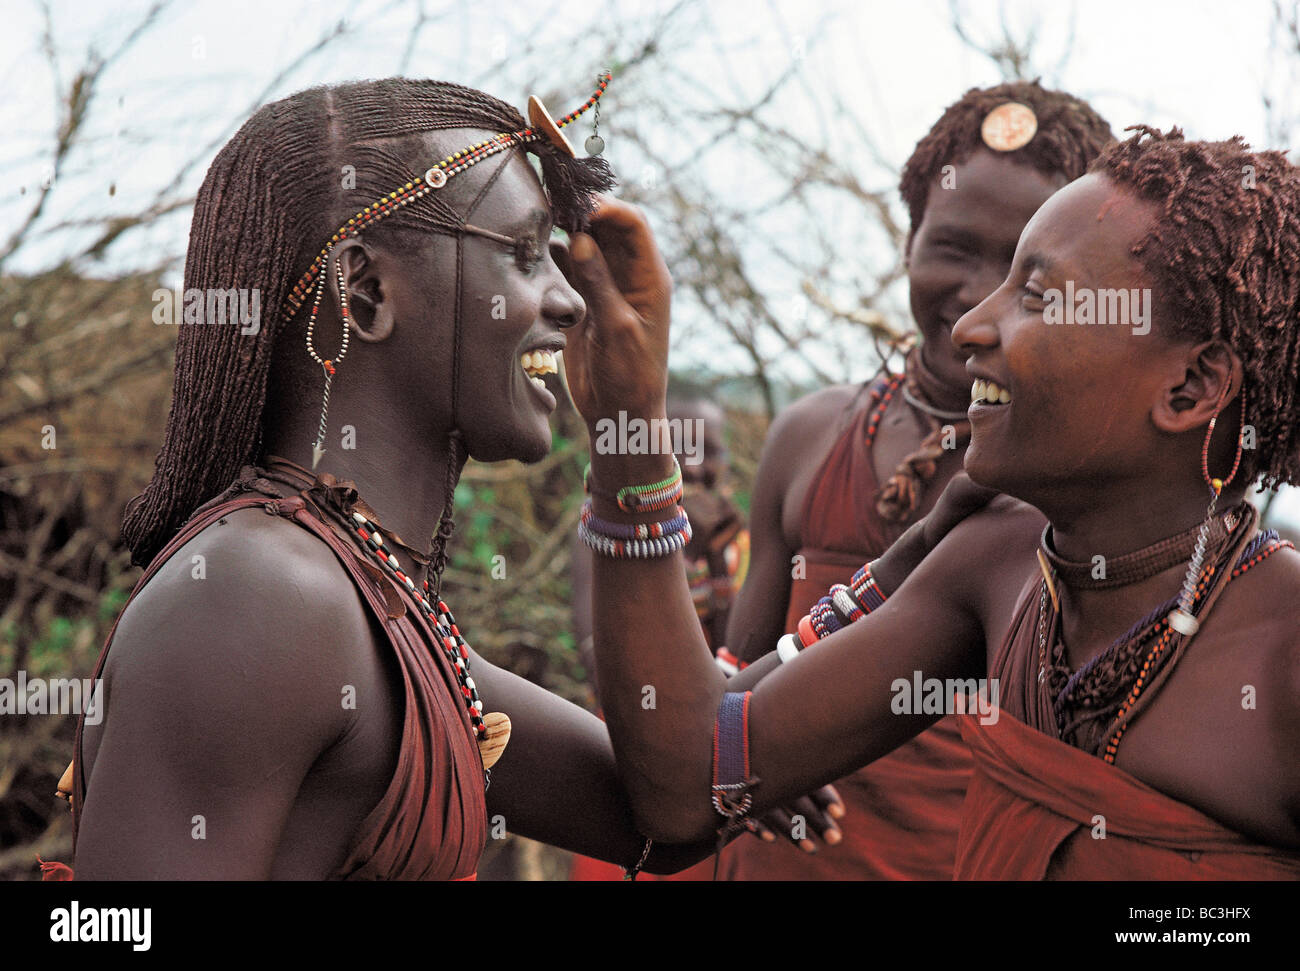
(882, 398)
(453, 645)
(1124, 662)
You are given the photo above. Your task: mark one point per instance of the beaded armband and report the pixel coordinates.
(732, 780)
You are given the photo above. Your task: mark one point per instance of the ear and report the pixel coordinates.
(371, 313)
(1209, 377)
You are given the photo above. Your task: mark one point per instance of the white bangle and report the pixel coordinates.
(787, 648)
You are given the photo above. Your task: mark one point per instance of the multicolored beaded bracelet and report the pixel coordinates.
(635, 549)
(654, 530)
(732, 779)
(843, 605)
(645, 498)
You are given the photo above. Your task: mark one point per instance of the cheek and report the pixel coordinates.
(930, 281)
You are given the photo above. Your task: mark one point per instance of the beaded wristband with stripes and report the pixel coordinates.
(635, 549)
(605, 528)
(645, 498)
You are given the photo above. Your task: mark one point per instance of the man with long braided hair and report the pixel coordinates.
(1137, 730)
(848, 468)
(279, 703)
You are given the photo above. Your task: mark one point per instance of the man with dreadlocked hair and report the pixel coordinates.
(847, 469)
(1122, 727)
(283, 699)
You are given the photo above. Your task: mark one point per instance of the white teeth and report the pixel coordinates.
(986, 392)
(537, 363)
(538, 381)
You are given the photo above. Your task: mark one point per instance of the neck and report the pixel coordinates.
(404, 484)
(1092, 617)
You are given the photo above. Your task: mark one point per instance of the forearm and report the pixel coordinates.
(557, 781)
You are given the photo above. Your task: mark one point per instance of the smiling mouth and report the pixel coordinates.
(983, 392)
(537, 363)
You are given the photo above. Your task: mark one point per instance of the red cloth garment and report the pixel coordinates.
(903, 810)
(1033, 801)
(431, 823)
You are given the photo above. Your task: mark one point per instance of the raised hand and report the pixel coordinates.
(616, 359)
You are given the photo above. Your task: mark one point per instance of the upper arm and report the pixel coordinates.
(758, 615)
(221, 691)
(832, 709)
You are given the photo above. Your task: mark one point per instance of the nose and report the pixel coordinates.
(562, 303)
(977, 328)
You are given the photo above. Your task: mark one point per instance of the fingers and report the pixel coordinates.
(968, 496)
(960, 499)
(817, 820)
(828, 798)
(633, 257)
(590, 276)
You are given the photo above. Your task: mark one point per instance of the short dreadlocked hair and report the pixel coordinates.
(272, 196)
(1225, 254)
(1070, 135)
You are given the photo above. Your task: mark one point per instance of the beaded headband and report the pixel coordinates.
(436, 176)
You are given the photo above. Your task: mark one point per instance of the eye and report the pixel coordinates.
(528, 252)
(1031, 294)
(950, 248)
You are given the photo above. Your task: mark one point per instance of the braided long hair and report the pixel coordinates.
(273, 194)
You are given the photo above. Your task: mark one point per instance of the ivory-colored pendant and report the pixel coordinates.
(497, 734)
(64, 790)
(544, 124)
(1009, 126)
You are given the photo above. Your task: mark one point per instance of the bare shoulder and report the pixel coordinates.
(808, 417)
(244, 609)
(800, 435)
(983, 560)
(1005, 529)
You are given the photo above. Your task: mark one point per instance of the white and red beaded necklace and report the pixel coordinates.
(453, 645)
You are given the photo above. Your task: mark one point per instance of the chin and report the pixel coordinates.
(527, 445)
(986, 470)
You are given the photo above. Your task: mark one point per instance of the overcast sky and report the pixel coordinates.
(197, 74)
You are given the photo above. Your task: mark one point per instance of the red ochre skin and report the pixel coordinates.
(956, 257)
(224, 694)
(1103, 435)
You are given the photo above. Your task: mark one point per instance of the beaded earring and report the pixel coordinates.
(1181, 618)
(328, 366)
